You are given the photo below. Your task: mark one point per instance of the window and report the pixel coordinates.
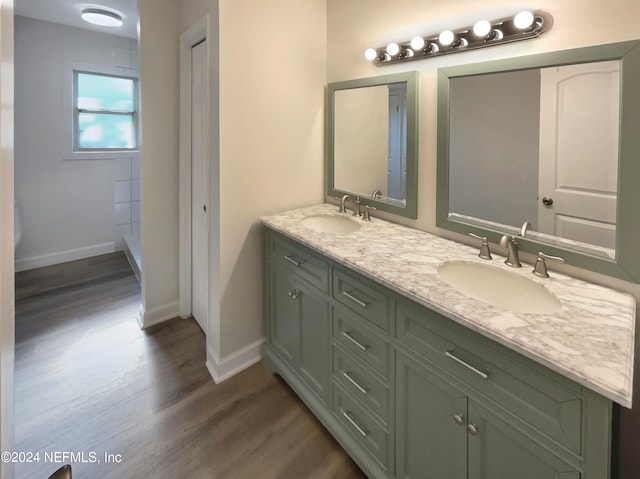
(104, 112)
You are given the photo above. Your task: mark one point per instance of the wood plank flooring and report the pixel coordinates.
(88, 381)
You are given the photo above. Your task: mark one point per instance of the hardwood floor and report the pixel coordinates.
(89, 382)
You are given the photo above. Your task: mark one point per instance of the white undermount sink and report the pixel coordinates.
(331, 224)
(499, 287)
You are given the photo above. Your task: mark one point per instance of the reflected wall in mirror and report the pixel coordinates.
(372, 141)
(547, 139)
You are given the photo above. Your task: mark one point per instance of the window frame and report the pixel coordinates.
(76, 148)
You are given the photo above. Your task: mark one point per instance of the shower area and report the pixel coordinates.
(77, 171)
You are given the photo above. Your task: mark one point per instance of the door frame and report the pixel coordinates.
(197, 33)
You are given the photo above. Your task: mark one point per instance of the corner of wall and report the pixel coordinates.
(222, 369)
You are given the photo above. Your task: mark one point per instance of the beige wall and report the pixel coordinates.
(356, 25)
(272, 74)
(271, 140)
(7, 309)
(159, 73)
(361, 136)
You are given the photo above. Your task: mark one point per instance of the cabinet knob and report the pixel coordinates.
(473, 429)
(293, 294)
(458, 418)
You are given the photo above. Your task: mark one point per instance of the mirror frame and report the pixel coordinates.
(626, 265)
(410, 210)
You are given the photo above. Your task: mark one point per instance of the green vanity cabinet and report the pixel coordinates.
(512, 416)
(442, 432)
(410, 393)
(431, 414)
(299, 328)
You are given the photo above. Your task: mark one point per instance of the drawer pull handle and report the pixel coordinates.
(354, 341)
(473, 429)
(347, 293)
(293, 261)
(362, 432)
(354, 382)
(458, 418)
(480, 373)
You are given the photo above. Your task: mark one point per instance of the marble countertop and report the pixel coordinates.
(590, 340)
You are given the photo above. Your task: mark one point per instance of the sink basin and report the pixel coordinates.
(499, 287)
(331, 224)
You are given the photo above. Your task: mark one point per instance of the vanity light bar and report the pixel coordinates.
(523, 26)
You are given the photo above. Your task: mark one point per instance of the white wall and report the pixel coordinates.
(159, 92)
(69, 209)
(271, 154)
(7, 310)
(355, 25)
(361, 139)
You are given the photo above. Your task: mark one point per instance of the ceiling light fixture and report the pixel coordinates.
(523, 26)
(103, 18)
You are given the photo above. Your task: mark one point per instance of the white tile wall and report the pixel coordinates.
(126, 188)
(122, 168)
(126, 198)
(123, 213)
(122, 191)
(135, 190)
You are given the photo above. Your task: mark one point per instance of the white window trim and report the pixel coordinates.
(68, 100)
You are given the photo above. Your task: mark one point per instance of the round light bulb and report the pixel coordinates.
(523, 20)
(482, 28)
(393, 49)
(371, 54)
(446, 37)
(417, 43)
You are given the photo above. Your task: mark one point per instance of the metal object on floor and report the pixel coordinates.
(63, 473)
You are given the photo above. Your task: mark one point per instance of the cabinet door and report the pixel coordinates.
(299, 328)
(431, 419)
(499, 450)
(284, 321)
(314, 340)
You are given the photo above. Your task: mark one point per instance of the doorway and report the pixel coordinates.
(195, 176)
(199, 187)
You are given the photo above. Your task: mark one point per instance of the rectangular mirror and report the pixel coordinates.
(546, 139)
(372, 141)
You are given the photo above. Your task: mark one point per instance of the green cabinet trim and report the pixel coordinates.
(426, 415)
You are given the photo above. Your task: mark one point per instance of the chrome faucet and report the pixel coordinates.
(511, 244)
(355, 204)
(485, 252)
(540, 268)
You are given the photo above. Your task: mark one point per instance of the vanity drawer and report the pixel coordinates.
(353, 334)
(361, 426)
(300, 260)
(362, 297)
(550, 403)
(361, 382)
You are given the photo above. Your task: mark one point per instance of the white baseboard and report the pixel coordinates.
(63, 256)
(157, 315)
(222, 369)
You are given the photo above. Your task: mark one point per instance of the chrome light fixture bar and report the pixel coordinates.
(525, 25)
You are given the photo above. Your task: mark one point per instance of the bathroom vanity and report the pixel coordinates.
(416, 379)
